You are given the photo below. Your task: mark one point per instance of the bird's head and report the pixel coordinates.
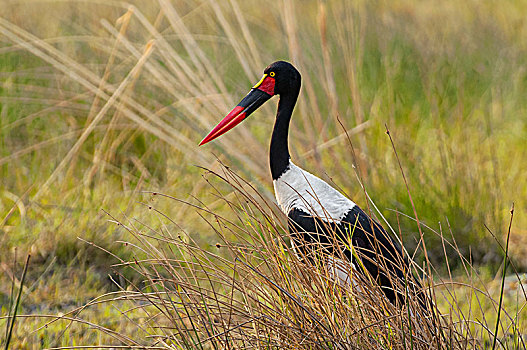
(279, 78)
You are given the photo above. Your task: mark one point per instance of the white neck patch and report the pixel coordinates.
(296, 188)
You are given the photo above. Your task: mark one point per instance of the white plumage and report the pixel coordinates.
(343, 272)
(297, 188)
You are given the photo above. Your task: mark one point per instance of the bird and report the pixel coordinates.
(318, 214)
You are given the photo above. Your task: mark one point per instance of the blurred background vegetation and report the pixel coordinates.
(100, 101)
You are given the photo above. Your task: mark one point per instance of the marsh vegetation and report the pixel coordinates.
(103, 103)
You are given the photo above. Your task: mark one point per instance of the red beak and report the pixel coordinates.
(260, 93)
(232, 119)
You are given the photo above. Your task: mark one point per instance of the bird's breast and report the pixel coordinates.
(297, 188)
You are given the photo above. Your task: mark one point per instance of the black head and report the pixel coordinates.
(287, 78)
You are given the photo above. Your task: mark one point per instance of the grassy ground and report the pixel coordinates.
(100, 101)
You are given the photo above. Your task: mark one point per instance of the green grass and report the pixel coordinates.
(449, 80)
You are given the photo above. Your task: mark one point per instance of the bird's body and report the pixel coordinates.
(321, 219)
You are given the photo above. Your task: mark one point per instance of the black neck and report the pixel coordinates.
(279, 153)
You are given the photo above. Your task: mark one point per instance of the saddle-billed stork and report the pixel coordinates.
(317, 213)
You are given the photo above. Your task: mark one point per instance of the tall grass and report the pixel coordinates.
(102, 101)
(452, 93)
(252, 291)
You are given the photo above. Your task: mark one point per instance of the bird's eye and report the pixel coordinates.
(271, 74)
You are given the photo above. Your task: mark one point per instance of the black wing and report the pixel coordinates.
(378, 252)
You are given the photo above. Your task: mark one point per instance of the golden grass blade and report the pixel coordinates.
(96, 119)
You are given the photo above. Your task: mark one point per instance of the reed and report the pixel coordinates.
(101, 101)
(251, 290)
